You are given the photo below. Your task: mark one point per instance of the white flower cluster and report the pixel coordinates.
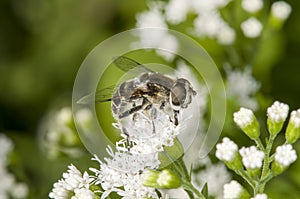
(215, 175)
(243, 117)
(8, 184)
(149, 133)
(252, 6)
(157, 37)
(246, 87)
(278, 112)
(232, 190)
(285, 155)
(57, 135)
(73, 185)
(252, 157)
(122, 174)
(295, 118)
(281, 10)
(260, 196)
(252, 27)
(226, 150)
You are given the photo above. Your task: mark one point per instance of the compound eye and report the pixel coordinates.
(178, 95)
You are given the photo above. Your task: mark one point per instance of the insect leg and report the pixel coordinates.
(176, 113)
(127, 138)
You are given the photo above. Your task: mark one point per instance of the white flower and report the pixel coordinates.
(83, 193)
(6, 146)
(64, 116)
(278, 112)
(251, 27)
(177, 10)
(246, 87)
(208, 24)
(72, 180)
(215, 175)
(252, 6)
(295, 118)
(204, 6)
(285, 155)
(226, 35)
(252, 158)
(19, 190)
(260, 196)
(226, 151)
(281, 10)
(244, 117)
(152, 130)
(124, 169)
(232, 190)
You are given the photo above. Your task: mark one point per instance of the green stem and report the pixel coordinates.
(245, 175)
(190, 187)
(259, 144)
(266, 169)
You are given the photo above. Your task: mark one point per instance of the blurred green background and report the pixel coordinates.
(42, 45)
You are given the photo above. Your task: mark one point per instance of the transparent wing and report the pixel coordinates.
(101, 95)
(126, 64)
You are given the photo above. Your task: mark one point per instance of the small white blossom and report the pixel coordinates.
(281, 10)
(83, 193)
(295, 118)
(251, 27)
(204, 6)
(252, 158)
(244, 90)
(20, 190)
(6, 146)
(285, 155)
(177, 10)
(226, 150)
(260, 196)
(226, 35)
(208, 24)
(215, 175)
(232, 190)
(123, 169)
(278, 112)
(252, 6)
(243, 117)
(71, 181)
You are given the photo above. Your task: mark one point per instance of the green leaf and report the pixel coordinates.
(204, 190)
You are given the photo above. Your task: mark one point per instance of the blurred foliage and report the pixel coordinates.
(42, 45)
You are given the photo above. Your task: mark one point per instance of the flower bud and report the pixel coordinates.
(280, 11)
(227, 151)
(235, 190)
(293, 130)
(252, 160)
(285, 155)
(247, 121)
(165, 179)
(277, 114)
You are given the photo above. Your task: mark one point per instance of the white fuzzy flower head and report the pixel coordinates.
(123, 169)
(83, 193)
(244, 117)
(260, 196)
(278, 112)
(177, 10)
(215, 175)
(251, 27)
(243, 91)
(285, 155)
(226, 35)
(226, 150)
(208, 24)
(72, 180)
(6, 146)
(281, 10)
(232, 190)
(295, 118)
(252, 6)
(252, 158)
